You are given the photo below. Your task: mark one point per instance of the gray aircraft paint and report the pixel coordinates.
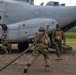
(23, 19)
(22, 31)
(16, 12)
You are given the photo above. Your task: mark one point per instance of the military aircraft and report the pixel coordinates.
(19, 21)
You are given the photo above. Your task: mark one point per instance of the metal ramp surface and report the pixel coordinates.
(66, 48)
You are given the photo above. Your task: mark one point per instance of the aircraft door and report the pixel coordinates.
(1, 17)
(22, 33)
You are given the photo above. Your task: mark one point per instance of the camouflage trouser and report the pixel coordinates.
(58, 48)
(39, 50)
(4, 48)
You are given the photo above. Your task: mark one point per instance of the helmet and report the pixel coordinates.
(58, 26)
(3, 37)
(41, 29)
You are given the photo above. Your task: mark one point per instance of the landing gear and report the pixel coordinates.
(22, 46)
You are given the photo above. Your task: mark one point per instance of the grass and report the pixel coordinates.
(70, 35)
(70, 38)
(71, 41)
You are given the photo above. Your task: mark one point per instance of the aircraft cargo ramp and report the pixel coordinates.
(66, 48)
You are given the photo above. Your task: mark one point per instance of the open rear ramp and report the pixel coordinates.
(66, 48)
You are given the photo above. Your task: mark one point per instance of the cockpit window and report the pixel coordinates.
(0, 17)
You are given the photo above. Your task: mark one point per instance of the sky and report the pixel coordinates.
(67, 2)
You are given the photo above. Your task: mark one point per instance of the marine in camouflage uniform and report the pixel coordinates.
(57, 38)
(40, 48)
(4, 45)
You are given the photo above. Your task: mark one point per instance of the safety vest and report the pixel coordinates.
(58, 35)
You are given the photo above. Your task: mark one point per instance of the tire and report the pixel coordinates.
(22, 46)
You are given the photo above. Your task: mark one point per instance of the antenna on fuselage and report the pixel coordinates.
(42, 4)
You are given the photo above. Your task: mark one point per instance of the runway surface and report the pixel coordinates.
(66, 66)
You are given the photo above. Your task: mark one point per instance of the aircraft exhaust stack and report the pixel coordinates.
(54, 3)
(29, 1)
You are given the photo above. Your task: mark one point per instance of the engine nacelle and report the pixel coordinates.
(22, 31)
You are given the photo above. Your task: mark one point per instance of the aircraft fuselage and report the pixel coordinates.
(16, 12)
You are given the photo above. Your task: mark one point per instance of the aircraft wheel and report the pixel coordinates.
(22, 46)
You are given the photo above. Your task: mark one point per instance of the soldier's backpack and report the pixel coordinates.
(44, 38)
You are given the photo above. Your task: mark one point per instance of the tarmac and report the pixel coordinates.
(66, 66)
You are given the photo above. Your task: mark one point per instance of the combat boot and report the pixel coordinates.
(59, 58)
(26, 68)
(46, 69)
